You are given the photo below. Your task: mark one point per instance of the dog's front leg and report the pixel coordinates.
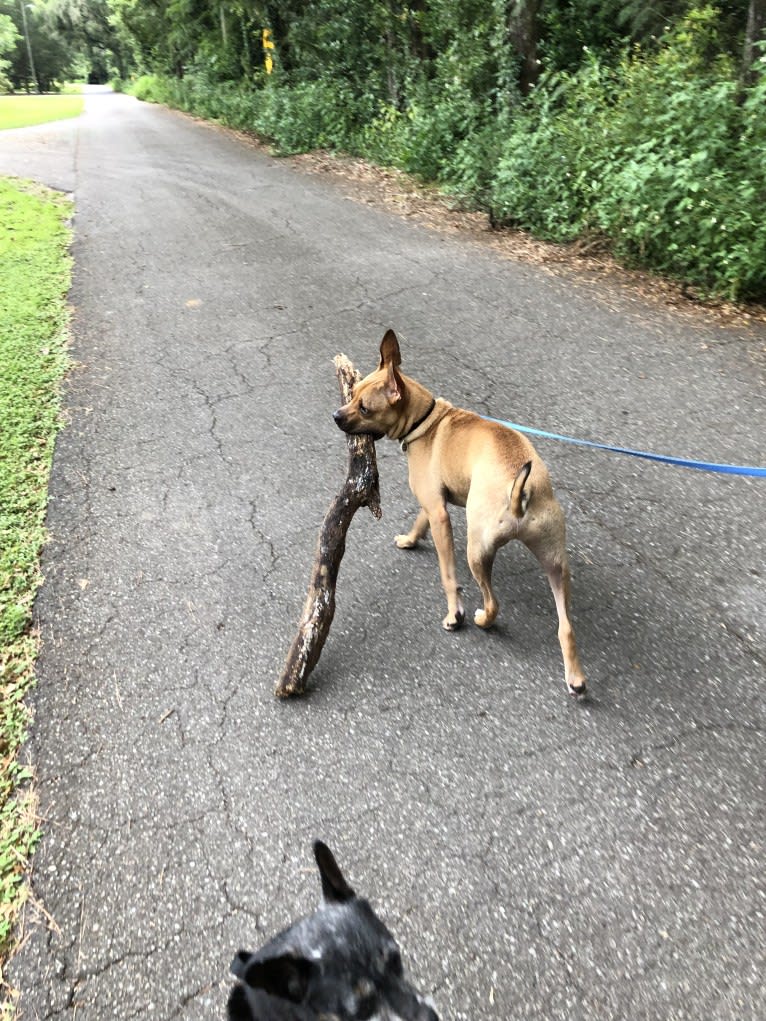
(441, 530)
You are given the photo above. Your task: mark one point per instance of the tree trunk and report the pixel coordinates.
(419, 47)
(359, 490)
(754, 34)
(391, 83)
(522, 30)
(224, 27)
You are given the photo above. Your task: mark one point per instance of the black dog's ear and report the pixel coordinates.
(335, 889)
(240, 963)
(389, 350)
(286, 977)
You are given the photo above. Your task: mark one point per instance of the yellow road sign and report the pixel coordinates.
(268, 46)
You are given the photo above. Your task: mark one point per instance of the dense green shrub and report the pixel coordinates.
(313, 115)
(148, 88)
(555, 155)
(307, 116)
(421, 139)
(662, 156)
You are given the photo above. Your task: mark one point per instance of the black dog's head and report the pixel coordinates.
(339, 964)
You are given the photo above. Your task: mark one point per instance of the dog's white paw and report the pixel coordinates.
(453, 621)
(578, 689)
(404, 542)
(483, 619)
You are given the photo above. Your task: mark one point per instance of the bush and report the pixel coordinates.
(556, 156)
(661, 156)
(147, 88)
(312, 115)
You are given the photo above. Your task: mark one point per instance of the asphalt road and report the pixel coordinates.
(537, 858)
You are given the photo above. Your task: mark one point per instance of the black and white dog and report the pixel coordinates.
(339, 964)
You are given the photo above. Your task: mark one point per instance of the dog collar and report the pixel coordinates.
(408, 437)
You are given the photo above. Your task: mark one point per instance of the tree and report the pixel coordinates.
(52, 58)
(9, 37)
(523, 30)
(90, 29)
(755, 36)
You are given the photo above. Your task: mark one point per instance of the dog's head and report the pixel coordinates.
(378, 400)
(339, 964)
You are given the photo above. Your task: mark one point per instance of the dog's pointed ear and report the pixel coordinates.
(286, 976)
(335, 889)
(389, 351)
(240, 963)
(394, 385)
(390, 360)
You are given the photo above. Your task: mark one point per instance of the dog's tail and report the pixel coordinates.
(519, 498)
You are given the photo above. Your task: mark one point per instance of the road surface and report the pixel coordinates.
(537, 858)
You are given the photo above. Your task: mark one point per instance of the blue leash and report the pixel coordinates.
(681, 462)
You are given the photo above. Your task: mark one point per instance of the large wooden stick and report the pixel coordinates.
(360, 489)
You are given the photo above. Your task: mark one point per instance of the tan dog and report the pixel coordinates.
(457, 457)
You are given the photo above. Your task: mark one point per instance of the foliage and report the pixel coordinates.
(661, 155)
(53, 54)
(8, 39)
(34, 278)
(655, 147)
(101, 45)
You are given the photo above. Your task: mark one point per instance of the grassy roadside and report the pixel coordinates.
(34, 280)
(21, 111)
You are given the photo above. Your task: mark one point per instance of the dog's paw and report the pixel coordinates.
(578, 690)
(453, 621)
(404, 542)
(483, 619)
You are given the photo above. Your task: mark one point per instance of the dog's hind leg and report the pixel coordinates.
(415, 534)
(549, 546)
(558, 578)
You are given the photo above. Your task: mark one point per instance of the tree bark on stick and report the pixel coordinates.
(360, 489)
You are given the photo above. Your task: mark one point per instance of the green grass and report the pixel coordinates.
(34, 316)
(22, 111)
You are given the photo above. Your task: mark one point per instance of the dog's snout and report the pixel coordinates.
(341, 419)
